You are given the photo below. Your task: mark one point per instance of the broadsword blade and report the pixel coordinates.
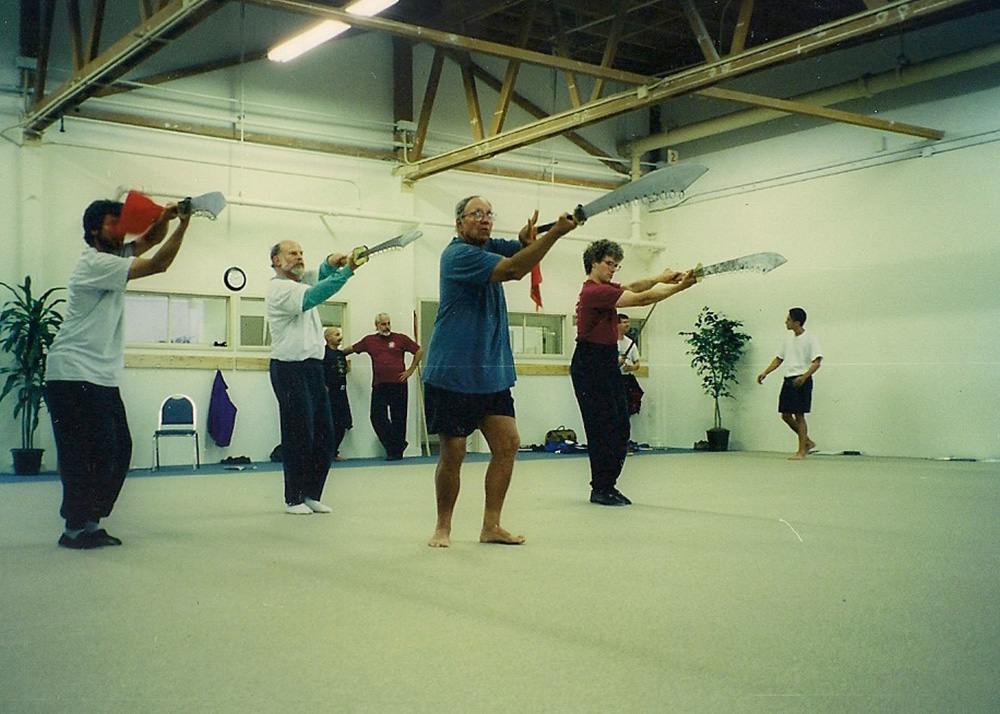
(757, 262)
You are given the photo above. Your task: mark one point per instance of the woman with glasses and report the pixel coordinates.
(597, 382)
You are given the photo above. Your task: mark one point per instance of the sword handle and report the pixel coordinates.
(578, 214)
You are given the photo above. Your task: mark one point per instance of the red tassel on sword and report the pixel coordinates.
(536, 287)
(138, 214)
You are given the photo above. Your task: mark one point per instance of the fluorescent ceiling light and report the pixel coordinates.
(324, 31)
(313, 37)
(369, 7)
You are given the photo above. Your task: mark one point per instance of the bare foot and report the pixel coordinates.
(499, 535)
(440, 539)
(810, 445)
(797, 457)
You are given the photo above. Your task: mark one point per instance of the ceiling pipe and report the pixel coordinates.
(412, 221)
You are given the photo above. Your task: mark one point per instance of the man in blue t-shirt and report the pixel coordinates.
(470, 366)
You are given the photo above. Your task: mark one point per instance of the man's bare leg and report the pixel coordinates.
(797, 422)
(504, 441)
(446, 485)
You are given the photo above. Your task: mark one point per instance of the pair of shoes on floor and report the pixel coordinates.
(88, 540)
(611, 497)
(307, 508)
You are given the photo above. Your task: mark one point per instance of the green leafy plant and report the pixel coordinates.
(716, 345)
(28, 324)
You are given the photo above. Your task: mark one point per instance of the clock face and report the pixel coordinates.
(235, 279)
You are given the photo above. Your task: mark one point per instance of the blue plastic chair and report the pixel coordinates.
(178, 417)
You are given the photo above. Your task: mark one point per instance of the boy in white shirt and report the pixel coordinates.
(802, 356)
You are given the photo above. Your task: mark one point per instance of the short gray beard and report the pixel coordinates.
(292, 268)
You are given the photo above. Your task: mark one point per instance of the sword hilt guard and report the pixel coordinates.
(360, 255)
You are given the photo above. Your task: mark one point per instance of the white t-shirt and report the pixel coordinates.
(295, 335)
(90, 345)
(627, 349)
(798, 353)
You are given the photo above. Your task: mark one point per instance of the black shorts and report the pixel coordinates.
(795, 400)
(458, 414)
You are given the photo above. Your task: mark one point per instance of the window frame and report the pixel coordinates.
(169, 295)
(426, 324)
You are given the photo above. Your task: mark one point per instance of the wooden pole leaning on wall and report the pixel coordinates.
(425, 438)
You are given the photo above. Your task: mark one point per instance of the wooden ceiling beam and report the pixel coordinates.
(430, 94)
(179, 73)
(742, 29)
(794, 47)
(145, 40)
(44, 49)
(472, 99)
(793, 107)
(610, 47)
(560, 44)
(96, 26)
(402, 91)
(700, 31)
(75, 33)
(812, 110)
(503, 99)
(534, 110)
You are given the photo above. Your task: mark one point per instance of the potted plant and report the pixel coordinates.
(28, 324)
(716, 345)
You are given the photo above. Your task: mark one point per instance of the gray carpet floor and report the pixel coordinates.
(738, 582)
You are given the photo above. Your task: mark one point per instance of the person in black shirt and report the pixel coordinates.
(335, 374)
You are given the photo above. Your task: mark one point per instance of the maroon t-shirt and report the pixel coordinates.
(596, 314)
(387, 355)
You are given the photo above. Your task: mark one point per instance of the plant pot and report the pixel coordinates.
(27, 462)
(718, 439)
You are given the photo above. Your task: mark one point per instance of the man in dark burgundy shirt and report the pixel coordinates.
(389, 376)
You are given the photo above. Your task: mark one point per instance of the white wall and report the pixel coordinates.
(896, 263)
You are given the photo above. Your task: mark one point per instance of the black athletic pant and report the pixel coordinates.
(388, 415)
(94, 446)
(600, 392)
(306, 427)
(339, 432)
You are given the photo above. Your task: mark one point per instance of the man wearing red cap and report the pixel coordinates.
(85, 365)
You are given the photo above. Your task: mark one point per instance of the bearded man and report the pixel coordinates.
(297, 349)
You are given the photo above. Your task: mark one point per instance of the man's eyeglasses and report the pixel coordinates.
(480, 214)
